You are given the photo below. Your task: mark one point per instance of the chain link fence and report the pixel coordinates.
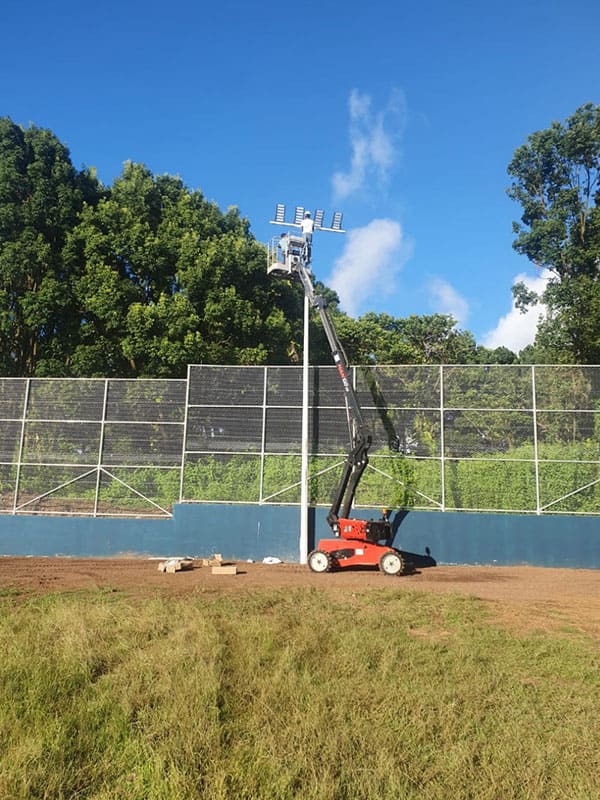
(472, 438)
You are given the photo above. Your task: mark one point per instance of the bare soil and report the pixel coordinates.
(524, 598)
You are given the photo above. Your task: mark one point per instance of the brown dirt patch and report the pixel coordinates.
(524, 598)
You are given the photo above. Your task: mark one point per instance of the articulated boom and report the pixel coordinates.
(357, 542)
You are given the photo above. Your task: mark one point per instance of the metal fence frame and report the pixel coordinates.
(95, 467)
(442, 407)
(253, 406)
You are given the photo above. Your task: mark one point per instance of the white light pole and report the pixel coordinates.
(304, 460)
(298, 249)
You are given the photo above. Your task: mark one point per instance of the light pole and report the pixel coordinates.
(281, 261)
(303, 543)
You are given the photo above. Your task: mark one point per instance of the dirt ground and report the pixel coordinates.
(523, 597)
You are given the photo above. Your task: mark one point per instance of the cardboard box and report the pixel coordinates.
(215, 561)
(225, 569)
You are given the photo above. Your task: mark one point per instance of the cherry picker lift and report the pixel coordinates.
(355, 542)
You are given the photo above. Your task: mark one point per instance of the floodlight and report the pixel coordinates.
(299, 214)
(336, 223)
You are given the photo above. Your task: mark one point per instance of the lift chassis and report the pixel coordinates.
(355, 542)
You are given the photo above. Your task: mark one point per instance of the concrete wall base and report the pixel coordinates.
(243, 532)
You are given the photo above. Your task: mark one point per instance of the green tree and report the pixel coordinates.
(41, 195)
(495, 355)
(164, 278)
(437, 340)
(379, 338)
(556, 182)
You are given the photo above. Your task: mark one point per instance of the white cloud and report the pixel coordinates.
(371, 258)
(446, 300)
(516, 330)
(374, 140)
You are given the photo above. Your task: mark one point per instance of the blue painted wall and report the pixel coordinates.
(242, 532)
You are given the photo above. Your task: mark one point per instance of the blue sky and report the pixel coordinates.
(403, 116)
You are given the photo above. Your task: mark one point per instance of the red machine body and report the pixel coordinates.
(349, 553)
(361, 543)
(364, 530)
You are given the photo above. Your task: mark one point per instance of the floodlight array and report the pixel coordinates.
(300, 211)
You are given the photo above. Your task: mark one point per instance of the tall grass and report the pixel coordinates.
(389, 694)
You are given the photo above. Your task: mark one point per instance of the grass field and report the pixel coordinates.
(291, 694)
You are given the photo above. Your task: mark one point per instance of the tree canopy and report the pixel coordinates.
(41, 195)
(136, 279)
(144, 276)
(429, 339)
(556, 181)
(164, 279)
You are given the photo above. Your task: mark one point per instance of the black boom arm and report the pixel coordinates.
(357, 459)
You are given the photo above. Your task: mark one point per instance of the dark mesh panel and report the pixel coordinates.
(229, 429)
(223, 386)
(133, 443)
(12, 397)
(283, 430)
(60, 443)
(61, 399)
(567, 387)
(146, 401)
(494, 386)
(412, 386)
(10, 437)
(487, 433)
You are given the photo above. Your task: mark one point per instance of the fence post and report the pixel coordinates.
(100, 447)
(535, 442)
(21, 442)
(303, 544)
(184, 441)
(442, 442)
(263, 440)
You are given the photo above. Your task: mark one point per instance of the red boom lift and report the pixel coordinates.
(356, 542)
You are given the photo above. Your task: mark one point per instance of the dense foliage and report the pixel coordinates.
(41, 196)
(137, 279)
(556, 180)
(145, 276)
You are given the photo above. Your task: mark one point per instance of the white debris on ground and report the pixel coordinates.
(176, 564)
